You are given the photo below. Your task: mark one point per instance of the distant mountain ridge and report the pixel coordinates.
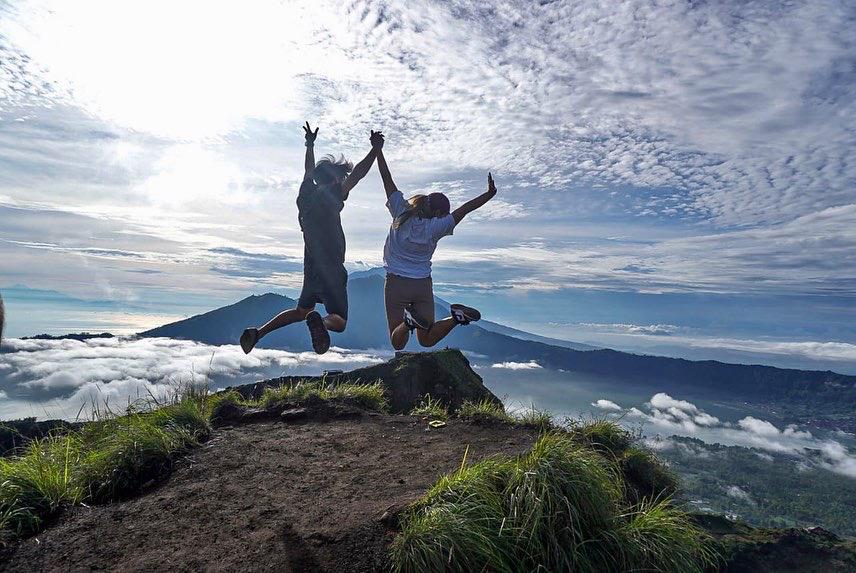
(367, 330)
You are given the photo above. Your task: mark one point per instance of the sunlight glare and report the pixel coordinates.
(181, 70)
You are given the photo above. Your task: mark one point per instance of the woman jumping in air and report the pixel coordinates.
(417, 224)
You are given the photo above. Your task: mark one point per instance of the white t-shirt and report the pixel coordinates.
(408, 249)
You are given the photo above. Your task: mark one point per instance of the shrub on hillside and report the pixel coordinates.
(647, 477)
(559, 507)
(484, 411)
(605, 436)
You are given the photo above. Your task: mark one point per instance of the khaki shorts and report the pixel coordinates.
(401, 292)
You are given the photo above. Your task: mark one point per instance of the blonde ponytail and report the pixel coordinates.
(417, 206)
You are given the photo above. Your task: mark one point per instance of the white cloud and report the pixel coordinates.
(650, 329)
(61, 375)
(606, 405)
(531, 365)
(663, 401)
(673, 416)
(738, 493)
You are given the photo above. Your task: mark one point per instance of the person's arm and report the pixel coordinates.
(385, 175)
(309, 162)
(473, 204)
(362, 168)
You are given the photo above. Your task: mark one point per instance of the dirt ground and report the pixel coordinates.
(269, 496)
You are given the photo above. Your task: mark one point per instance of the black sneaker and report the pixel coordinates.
(414, 321)
(464, 314)
(318, 332)
(249, 339)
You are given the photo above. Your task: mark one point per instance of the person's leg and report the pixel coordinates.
(284, 318)
(424, 307)
(395, 305)
(305, 305)
(438, 331)
(251, 336)
(335, 300)
(335, 322)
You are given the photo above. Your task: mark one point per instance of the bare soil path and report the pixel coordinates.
(269, 496)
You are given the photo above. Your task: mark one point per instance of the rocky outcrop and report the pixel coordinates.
(446, 375)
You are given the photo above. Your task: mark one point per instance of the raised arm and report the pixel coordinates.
(361, 169)
(385, 175)
(309, 162)
(473, 204)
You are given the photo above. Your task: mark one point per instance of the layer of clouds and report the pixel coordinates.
(691, 338)
(57, 377)
(531, 365)
(667, 415)
(649, 329)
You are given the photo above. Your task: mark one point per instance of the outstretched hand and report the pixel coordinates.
(491, 188)
(310, 135)
(376, 140)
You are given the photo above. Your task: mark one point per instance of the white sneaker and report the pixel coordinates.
(414, 321)
(464, 314)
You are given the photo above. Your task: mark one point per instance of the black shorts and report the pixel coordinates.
(325, 284)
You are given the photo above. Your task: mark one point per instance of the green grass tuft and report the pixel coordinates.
(657, 536)
(562, 494)
(454, 526)
(125, 455)
(559, 507)
(431, 408)
(366, 396)
(107, 459)
(36, 483)
(484, 411)
(647, 477)
(605, 436)
(541, 420)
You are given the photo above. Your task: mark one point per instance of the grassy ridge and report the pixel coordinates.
(366, 396)
(106, 460)
(582, 499)
(117, 456)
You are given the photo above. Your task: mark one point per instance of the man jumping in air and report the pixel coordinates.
(321, 198)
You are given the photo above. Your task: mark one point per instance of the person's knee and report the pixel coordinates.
(397, 342)
(338, 326)
(424, 340)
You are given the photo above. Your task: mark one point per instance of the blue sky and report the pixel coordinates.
(665, 169)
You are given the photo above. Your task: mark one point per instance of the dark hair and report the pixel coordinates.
(330, 168)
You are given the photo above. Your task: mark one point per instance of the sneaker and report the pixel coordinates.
(249, 339)
(414, 321)
(464, 314)
(318, 332)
